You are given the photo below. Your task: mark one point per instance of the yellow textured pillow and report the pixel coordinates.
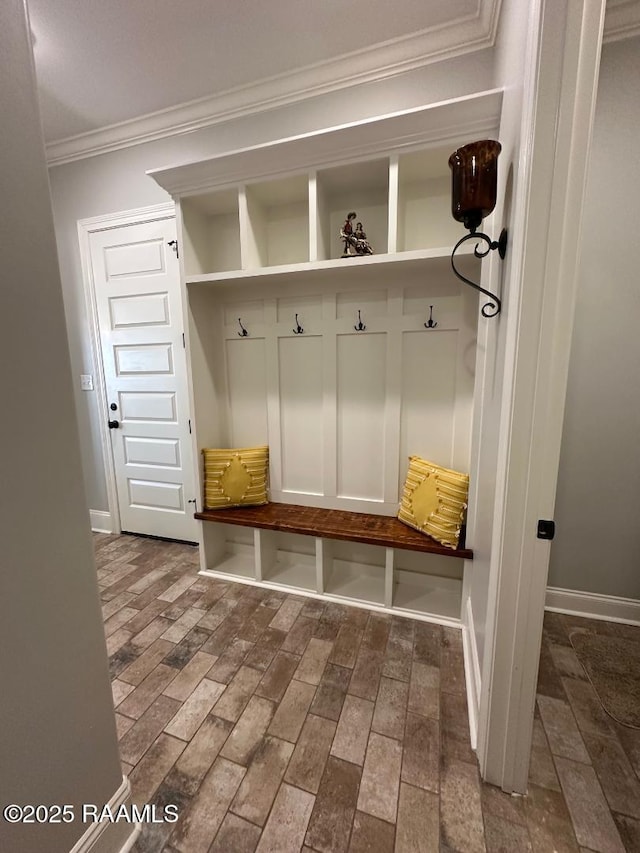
(434, 500)
(235, 476)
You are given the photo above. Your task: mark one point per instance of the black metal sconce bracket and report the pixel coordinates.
(493, 307)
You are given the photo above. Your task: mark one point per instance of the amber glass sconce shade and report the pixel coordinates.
(474, 181)
(474, 186)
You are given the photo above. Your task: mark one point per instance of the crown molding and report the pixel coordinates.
(378, 62)
(445, 122)
(622, 20)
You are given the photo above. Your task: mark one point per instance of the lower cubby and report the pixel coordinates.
(427, 594)
(286, 559)
(230, 550)
(355, 571)
(427, 584)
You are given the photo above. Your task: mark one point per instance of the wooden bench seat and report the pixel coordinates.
(333, 524)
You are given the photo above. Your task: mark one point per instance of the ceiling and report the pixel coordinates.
(102, 62)
(115, 72)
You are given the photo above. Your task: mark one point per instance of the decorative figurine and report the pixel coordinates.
(362, 244)
(355, 242)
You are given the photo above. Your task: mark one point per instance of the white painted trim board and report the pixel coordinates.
(101, 522)
(472, 675)
(106, 837)
(559, 90)
(593, 606)
(433, 618)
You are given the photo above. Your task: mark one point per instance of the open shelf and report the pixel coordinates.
(356, 572)
(275, 223)
(429, 594)
(231, 551)
(237, 561)
(359, 187)
(211, 228)
(433, 261)
(424, 202)
(288, 560)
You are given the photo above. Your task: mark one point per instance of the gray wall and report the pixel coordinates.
(117, 181)
(597, 545)
(57, 738)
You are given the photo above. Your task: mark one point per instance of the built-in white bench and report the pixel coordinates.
(379, 568)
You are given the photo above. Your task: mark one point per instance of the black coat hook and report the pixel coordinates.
(430, 324)
(298, 329)
(360, 327)
(243, 333)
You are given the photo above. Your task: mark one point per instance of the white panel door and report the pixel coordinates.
(137, 289)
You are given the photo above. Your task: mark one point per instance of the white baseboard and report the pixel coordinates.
(108, 837)
(471, 672)
(338, 599)
(592, 606)
(100, 521)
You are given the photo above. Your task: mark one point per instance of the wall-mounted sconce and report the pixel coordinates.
(474, 180)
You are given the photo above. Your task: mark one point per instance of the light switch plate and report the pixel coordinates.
(86, 381)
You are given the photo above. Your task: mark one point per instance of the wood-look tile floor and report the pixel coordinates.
(279, 723)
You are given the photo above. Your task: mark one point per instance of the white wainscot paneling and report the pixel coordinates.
(148, 406)
(148, 310)
(361, 371)
(143, 358)
(428, 397)
(148, 493)
(447, 310)
(370, 304)
(301, 436)
(247, 391)
(249, 312)
(152, 451)
(134, 259)
(307, 307)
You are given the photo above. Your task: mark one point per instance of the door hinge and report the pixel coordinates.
(195, 504)
(189, 426)
(184, 344)
(546, 529)
(174, 246)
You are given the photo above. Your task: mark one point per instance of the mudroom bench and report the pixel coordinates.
(371, 560)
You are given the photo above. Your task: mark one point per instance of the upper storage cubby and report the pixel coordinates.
(276, 209)
(274, 217)
(424, 219)
(362, 188)
(211, 229)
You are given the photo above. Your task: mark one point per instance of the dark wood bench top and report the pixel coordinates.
(333, 524)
